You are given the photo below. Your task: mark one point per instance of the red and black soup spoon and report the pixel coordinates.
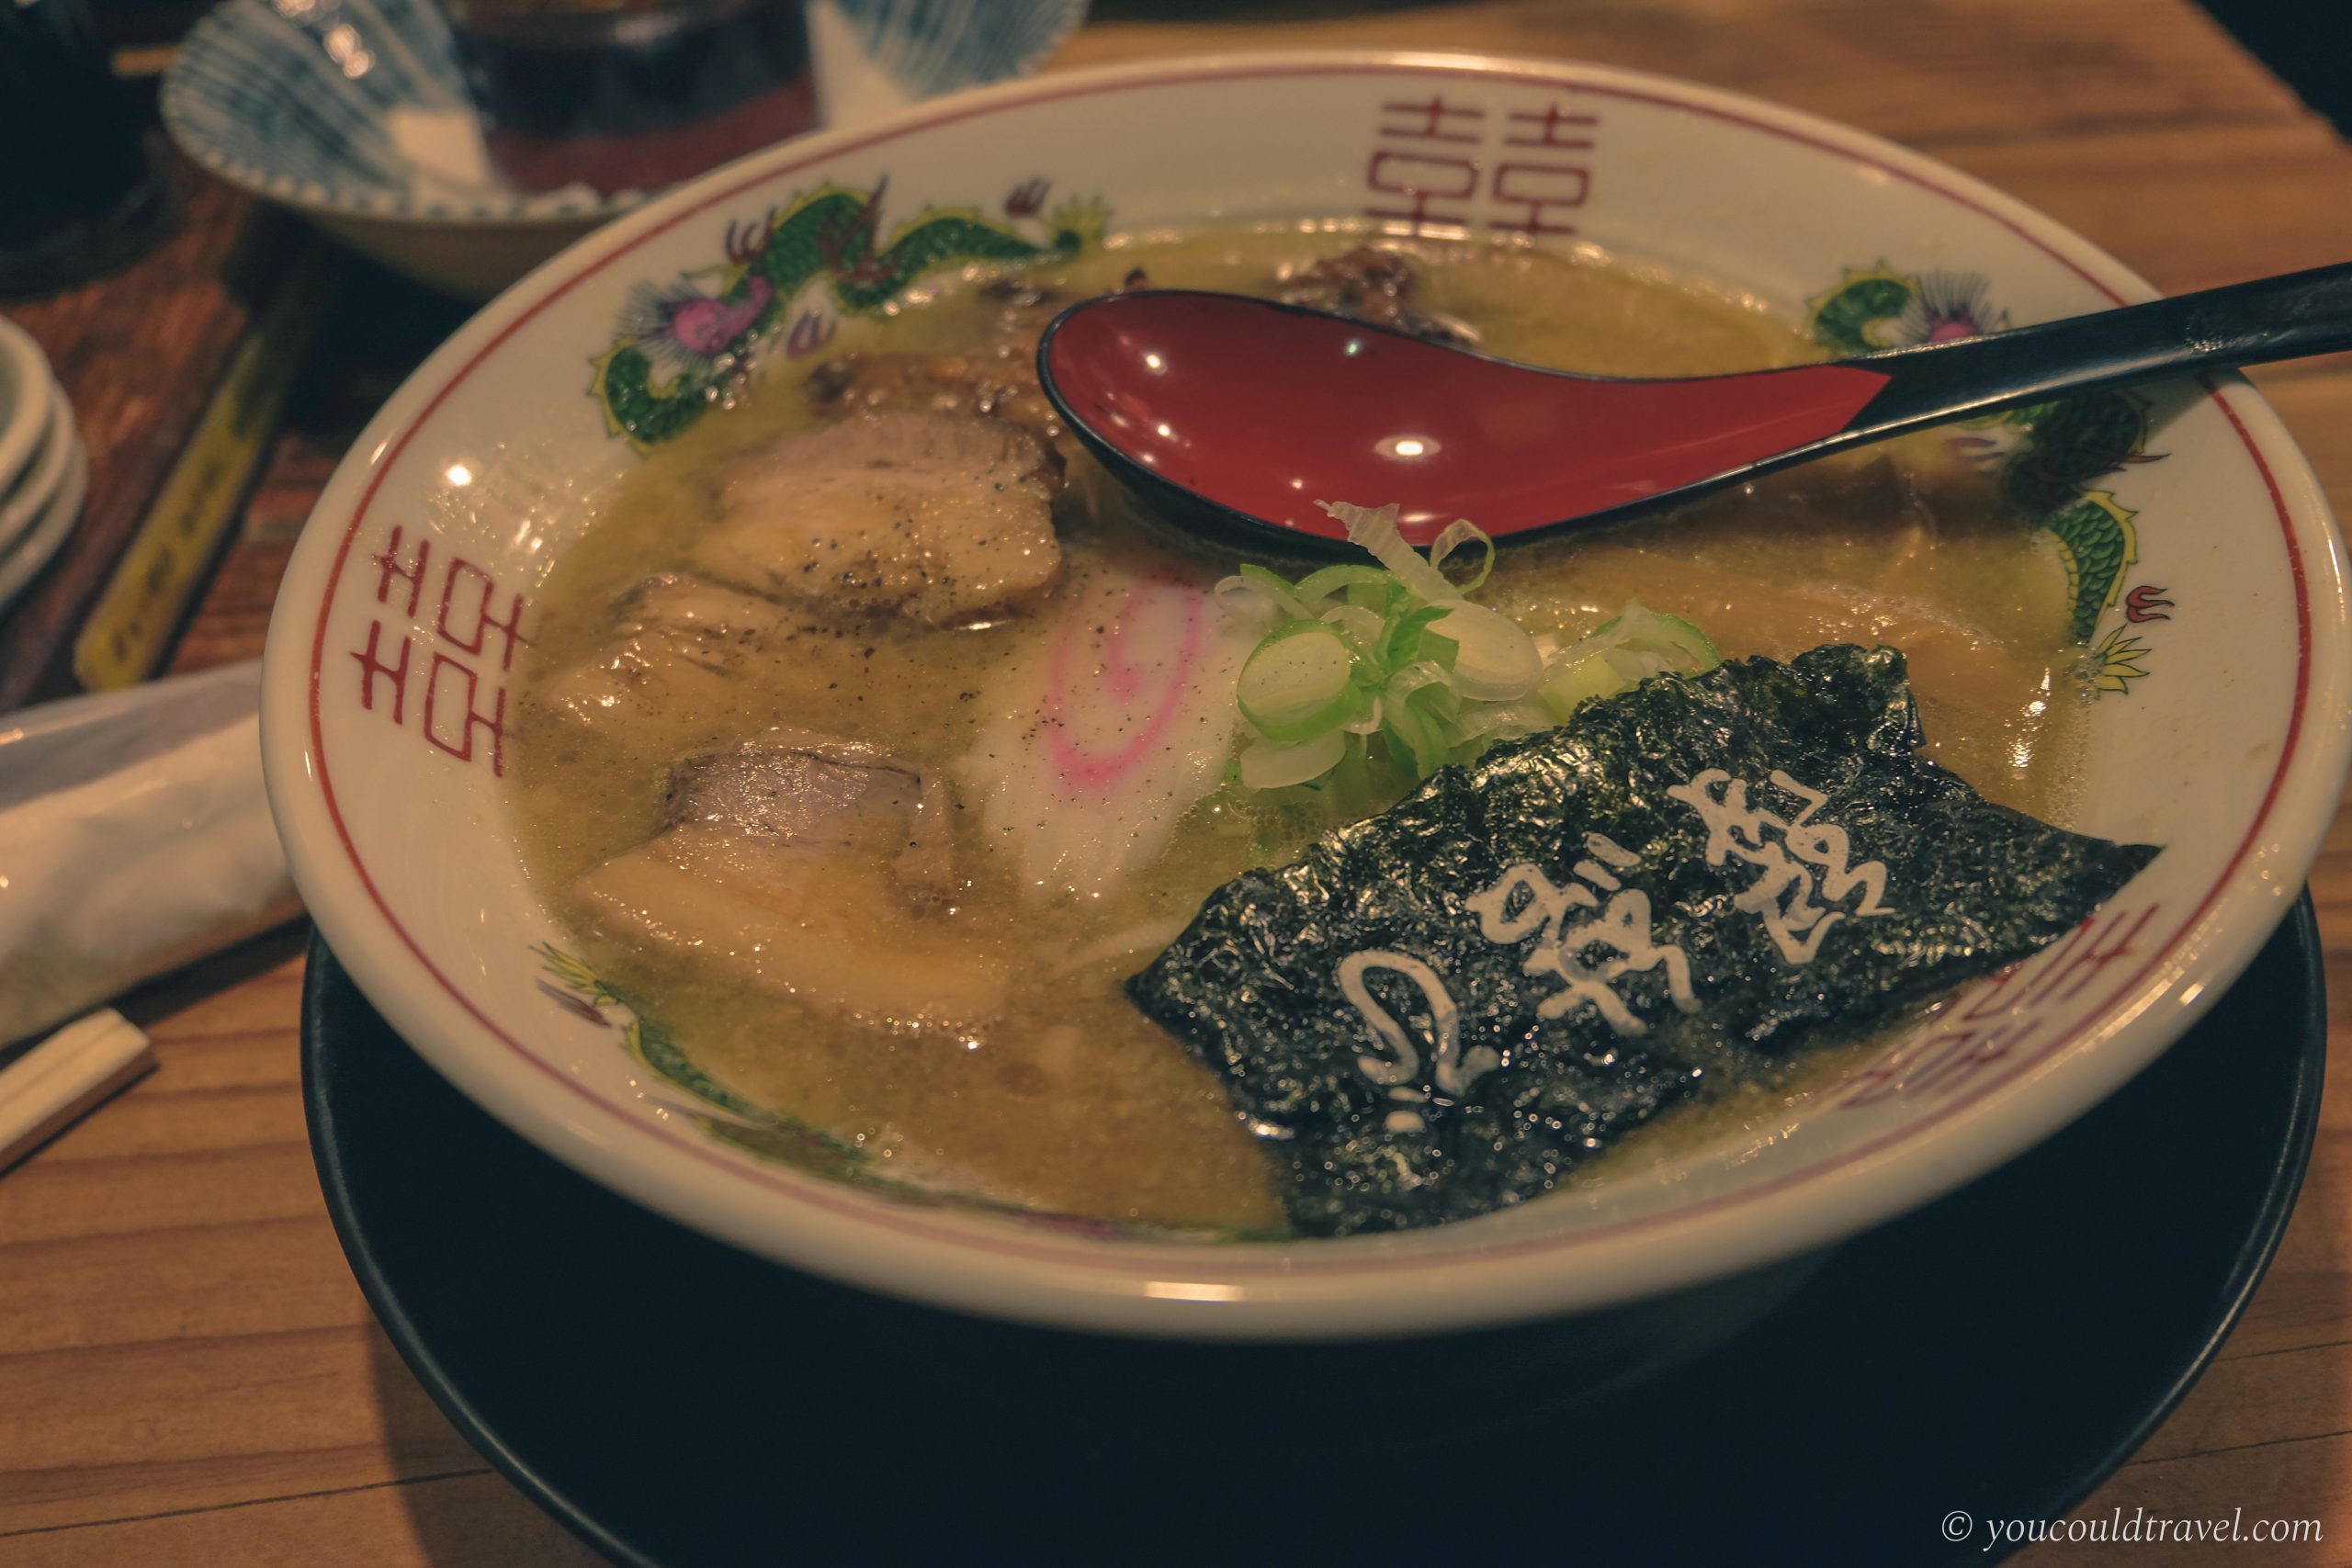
(1233, 416)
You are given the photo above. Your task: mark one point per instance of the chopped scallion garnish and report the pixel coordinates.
(1392, 665)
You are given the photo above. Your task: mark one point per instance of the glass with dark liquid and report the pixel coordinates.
(631, 95)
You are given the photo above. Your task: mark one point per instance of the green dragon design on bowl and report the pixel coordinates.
(679, 347)
(2049, 454)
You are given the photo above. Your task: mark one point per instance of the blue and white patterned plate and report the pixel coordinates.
(354, 113)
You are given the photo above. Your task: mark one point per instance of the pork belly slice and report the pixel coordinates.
(813, 792)
(681, 642)
(809, 865)
(945, 518)
(1371, 284)
(753, 911)
(1001, 384)
(998, 377)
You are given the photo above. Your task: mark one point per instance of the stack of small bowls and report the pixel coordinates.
(44, 469)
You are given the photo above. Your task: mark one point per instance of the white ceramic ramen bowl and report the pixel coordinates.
(2210, 591)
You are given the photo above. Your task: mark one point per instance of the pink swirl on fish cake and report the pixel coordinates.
(1124, 675)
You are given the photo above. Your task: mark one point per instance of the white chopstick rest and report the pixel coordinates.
(66, 1075)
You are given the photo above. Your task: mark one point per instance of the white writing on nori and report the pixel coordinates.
(1441, 1010)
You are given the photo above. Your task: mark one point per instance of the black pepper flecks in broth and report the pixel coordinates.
(871, 742)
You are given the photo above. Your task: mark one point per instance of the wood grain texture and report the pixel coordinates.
(189, 1374)
(466, 1518)
(138, 353)
(1924, 72)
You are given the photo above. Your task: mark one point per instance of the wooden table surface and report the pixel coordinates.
(189, 1373)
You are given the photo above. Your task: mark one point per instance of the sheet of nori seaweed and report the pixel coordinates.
(1251, 987)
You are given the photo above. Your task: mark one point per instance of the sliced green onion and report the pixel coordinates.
(1271, 764)
(1402, 640)
(1637, 665)
(1376, 532)
(1360, 628)
(1273, 585)
(1567, 687)
(1623, 651)
(1300, 683)
(1416, 711)
(1495, 660)
(1324, 582)
(1244, 600)
(1697, 647)
(1687, 648)
(1415, 678)
(1500, 721)
(1455, 535)
(1683, 645)
(1376, 675)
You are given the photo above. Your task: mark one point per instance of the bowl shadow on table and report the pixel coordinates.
(726, 1411)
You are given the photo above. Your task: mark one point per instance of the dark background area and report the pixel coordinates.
(2308, 43)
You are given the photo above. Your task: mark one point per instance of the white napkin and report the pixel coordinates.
(134, 837)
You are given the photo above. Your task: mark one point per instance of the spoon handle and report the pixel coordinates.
(2245, 324)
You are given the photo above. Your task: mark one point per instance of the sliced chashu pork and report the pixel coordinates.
(809, 865)
(997, 376)
(1000, 382)
(943, 517)
(681, 643)
(1371, 284)
(815, 793)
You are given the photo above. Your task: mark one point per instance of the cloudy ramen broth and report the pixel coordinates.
(1067, 1097)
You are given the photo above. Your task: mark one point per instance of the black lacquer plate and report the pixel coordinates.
(677, 1403)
